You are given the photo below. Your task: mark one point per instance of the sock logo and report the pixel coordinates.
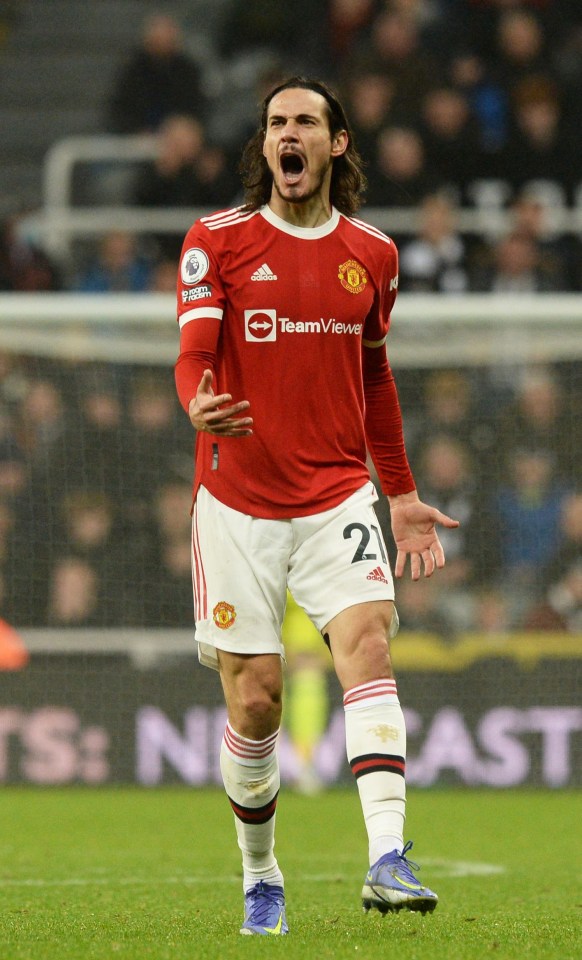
(384, 732)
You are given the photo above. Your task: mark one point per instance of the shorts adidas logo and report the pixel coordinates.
(377, 574)
(264, 273)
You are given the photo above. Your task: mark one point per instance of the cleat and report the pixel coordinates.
(391, 885)
(265, 911)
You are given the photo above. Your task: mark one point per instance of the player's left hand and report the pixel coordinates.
(414, 531)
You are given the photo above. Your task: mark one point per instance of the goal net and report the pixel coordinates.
(95, 486)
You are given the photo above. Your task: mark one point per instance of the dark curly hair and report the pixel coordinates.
(348, 180)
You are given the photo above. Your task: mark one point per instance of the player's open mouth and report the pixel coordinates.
(292, 167)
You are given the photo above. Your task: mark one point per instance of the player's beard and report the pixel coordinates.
(306, 197)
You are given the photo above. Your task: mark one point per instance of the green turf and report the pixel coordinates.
(139, 875)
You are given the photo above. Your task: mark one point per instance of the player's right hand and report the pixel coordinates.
(208, 414)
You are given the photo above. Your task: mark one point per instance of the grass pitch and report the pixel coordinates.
(154, 875)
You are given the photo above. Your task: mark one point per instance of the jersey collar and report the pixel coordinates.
(306, 233)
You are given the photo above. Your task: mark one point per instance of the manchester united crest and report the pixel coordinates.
(224, 615)
(352, 276)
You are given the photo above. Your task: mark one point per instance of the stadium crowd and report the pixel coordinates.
(454, 104)
(95, 490)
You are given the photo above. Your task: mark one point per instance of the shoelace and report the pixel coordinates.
(408, 865)
(265, 899)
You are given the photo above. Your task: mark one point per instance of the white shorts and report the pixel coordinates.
(242, 566)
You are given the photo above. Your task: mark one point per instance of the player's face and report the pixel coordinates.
(299, 148)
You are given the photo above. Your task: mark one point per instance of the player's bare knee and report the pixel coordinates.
(257, 711)
(260, 705)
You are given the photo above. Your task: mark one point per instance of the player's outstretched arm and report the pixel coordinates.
(208, 414)
(414, 531)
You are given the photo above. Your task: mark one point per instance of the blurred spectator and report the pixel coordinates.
(88, 521)
(452, 406)
(90, 530)
(14, 471)
(157, 564)
(419, 609)
(513, 264)
(447, 406)
(532, 215)
(520, 49)
(446, 474)
(174, 586)
(163, 279)
(396, 48)
(55, 514)
(187, 169)
(539, 147)
(400, 176)
(187, 172)
(526, 511)
(74, 598)
(173, 573)
(42, 421)
(451, 137)
(491, 611)
(159, 79)
(542, 415)
(570, 551)
(562, 607)
(347, 29)
(24, 267)
(95, 439)
(156, 438)
(370, 101)
(436, 260)
(489, 103)
(117, 267)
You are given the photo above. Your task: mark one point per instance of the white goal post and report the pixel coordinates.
(427, 330)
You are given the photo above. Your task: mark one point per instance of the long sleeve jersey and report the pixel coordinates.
(294, 320)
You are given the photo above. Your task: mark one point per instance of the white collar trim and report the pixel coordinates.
(305, 233)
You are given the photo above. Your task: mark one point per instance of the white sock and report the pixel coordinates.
(250, 772)
(376, 749)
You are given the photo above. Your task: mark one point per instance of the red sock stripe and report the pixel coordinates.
(370, 691)
(377, 763)
(249, 749)
(255, 814)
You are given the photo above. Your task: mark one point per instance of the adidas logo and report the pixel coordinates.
(377, 574)
(264, 273)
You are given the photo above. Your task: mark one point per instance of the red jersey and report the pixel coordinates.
(295, 310)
